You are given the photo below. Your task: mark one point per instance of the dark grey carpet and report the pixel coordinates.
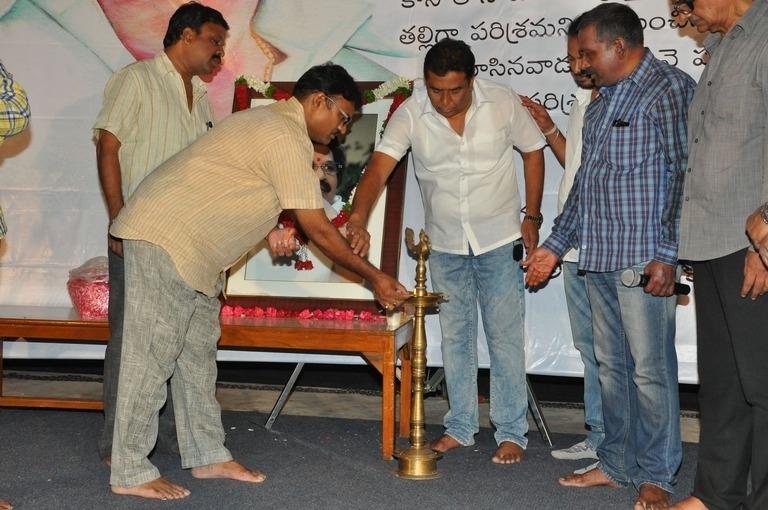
(48, 460)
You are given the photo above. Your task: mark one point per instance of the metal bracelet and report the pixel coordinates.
(764, 213)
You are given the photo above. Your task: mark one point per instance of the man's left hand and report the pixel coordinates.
(283, 241)
(755, 276)
(661, 279)
(358, 237)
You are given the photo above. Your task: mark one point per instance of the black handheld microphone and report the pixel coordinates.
(631, 278)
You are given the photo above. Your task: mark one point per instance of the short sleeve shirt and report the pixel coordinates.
(216, 199)
(145, 107)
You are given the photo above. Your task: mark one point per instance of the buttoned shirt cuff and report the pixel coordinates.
(557, 244)
(667, 254)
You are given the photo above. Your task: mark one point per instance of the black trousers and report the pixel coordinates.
(732, 338)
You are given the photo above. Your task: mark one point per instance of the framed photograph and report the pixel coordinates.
(261, 280)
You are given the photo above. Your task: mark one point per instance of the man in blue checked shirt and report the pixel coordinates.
(623, 212)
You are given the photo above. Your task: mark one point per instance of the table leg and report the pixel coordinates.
(406, 388)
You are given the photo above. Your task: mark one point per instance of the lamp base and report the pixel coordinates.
(417, 463)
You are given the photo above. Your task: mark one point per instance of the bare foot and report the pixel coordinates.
(652, 498)
(444, 443)
(592, 478)
(4, 505)
(231, 470)
(159, 488)
(689, 503)
(508, 453)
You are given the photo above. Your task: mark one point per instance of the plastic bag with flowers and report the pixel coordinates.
(88, 288)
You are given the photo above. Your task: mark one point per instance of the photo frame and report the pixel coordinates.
(259, 280)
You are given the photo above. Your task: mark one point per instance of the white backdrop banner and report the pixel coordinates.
(63, 52)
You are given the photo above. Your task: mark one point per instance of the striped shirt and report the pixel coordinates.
(145, 107)
(14, 116)
(624, 207)
(213, 201)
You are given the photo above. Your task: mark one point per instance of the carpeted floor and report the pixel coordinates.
(48, 461)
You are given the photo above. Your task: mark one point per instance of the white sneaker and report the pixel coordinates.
(575, 452)
(583, 470)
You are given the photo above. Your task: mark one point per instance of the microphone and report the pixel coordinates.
(631, 278)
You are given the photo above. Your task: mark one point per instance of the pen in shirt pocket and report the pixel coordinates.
(620, 123)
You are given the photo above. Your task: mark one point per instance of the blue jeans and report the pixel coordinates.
(495, 281)
(635, 349)
(580, 316)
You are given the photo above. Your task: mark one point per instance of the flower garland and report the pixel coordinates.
(399, 88)
(266, 89)
(331, 314)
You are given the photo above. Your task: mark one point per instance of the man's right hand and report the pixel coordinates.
(539, 265)
(539, 114)
(389, 292)
(757, 230)
(358, 236)
(115, 244)
(369, 187)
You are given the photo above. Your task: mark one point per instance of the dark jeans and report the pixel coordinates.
(166, 435)
(733, 387)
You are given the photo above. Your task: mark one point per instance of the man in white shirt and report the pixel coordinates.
(462, 133)
(579, 311)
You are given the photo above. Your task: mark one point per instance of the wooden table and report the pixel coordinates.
(378, 343)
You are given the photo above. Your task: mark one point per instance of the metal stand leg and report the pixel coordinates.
(431, 385)
(533, 405)
(284, 396)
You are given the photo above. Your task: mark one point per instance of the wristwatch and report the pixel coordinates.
(539, 219)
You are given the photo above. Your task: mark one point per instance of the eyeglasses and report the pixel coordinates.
(345, 118)
(329, 168)
(683, 8)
